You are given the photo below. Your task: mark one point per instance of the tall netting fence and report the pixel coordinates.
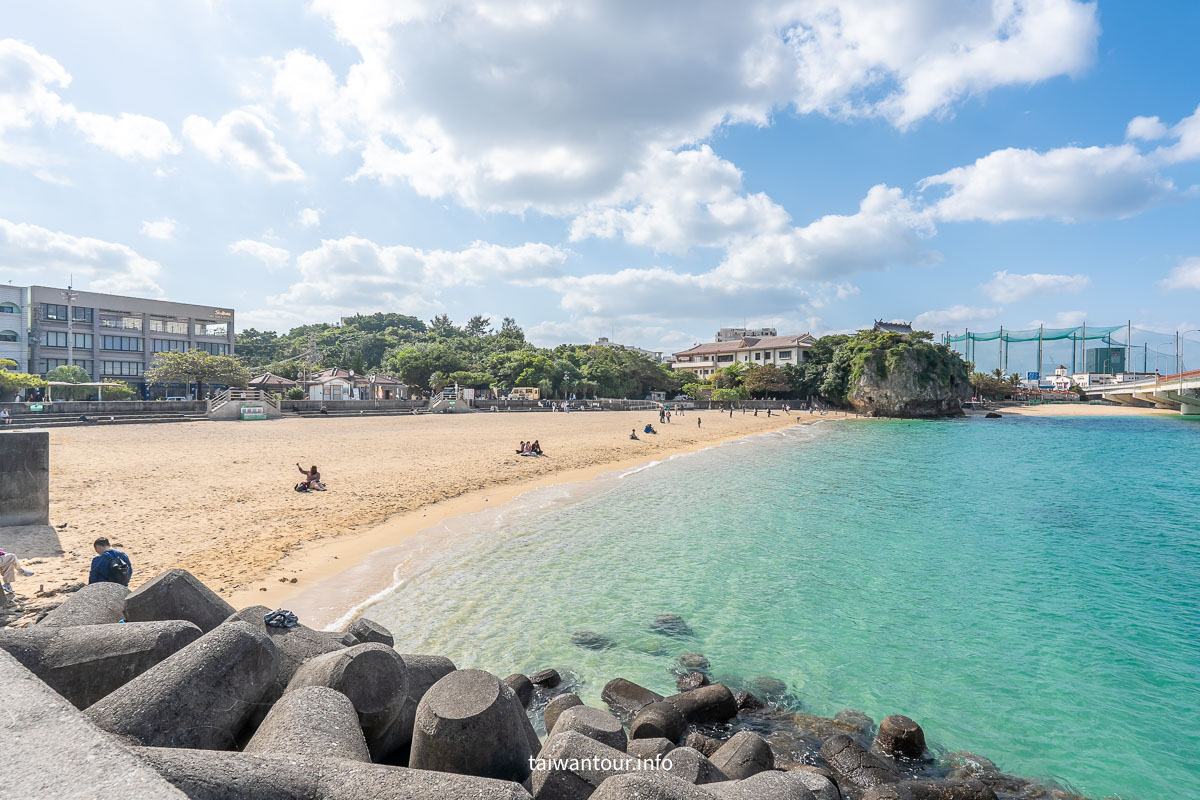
(1107, 349)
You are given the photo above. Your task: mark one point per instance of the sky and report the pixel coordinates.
(646, 171)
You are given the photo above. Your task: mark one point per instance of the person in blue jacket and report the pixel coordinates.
(110, 565)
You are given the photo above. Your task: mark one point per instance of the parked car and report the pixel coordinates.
(178, 398)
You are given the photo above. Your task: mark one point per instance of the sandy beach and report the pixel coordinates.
(1083, 410)
(217, 498)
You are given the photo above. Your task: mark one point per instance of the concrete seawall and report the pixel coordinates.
(24, 478)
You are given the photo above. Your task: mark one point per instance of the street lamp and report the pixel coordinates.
(70, 296)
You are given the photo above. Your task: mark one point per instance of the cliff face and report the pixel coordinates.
(908, 387)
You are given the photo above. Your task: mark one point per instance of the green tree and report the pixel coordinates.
(70, 374)
(199, 367)
(258, 347)
(478, 325)
(114, 390)
(11, 383)
(295, 393)
(765, 380)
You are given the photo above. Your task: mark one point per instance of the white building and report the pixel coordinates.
(705, 359)
(656, 355)
(733, 334)
(14, 325)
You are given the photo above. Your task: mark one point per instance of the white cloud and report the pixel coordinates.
(41, 254)
(1012, 287)
(129, 135)
(29, 81)
(242, 138)
(273, 258)
(1184, 276)
(310, 217)
(955, 317)
(1069, 183)
(352, 274)
(548, 106)
(160, 229)
(1187, 144)
(1145, 128)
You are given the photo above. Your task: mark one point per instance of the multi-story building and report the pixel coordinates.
(115, 337)
(656, 355)
(705, 359)
(14, 325)
(734, 334)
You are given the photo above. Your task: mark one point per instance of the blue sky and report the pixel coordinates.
(654, 171)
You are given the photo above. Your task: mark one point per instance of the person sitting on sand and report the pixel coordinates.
(10, 567)
(109, 565)
(536, 448)
(521, 448)
(649, 428)
(312, 480)
(633, 434)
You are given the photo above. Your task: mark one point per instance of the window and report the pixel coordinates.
(9, 336)
(785, 354)
(81, 314)
(48, 364)
(51, 311)
(168, 346)
(129, 343)
(127, 323)
(168, 326)
(758, 356)
(213, 348)
(211, 329)
(54, 338)
(123, 368)
(724, 358)
(83, 341)
(85, 365)
(9, 308)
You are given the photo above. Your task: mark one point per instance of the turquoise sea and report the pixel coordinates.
(1027, 589)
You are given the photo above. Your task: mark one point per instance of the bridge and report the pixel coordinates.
(1180, 391)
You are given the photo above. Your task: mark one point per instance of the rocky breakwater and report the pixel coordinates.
(197, 700)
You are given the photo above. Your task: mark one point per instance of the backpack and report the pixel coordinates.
(118, 570)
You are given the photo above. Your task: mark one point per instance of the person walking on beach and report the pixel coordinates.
(662, 416)
(697, 422)
(10, 568)
(109, 565)
(731, 412)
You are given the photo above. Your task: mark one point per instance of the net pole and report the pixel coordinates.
(1128, 342)
(1000, 351)
(1041, 330)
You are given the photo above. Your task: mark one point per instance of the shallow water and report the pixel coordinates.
(1027, 589)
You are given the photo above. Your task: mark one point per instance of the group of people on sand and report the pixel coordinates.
(533, 448)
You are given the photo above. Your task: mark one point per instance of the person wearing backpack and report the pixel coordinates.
(110, 565)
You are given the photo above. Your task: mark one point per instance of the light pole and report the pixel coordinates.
(70, 297)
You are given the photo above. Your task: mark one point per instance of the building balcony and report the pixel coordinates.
(693, 364)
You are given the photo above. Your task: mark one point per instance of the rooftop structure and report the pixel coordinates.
(892, 327)
(705, 359)
(734, 334)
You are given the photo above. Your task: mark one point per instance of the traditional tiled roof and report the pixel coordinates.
(748, 343)
(270, 379)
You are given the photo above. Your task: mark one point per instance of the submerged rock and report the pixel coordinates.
(671, 625)
(590, 640)
(695, 662)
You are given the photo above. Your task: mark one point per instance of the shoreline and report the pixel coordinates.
(1084, 410)
(330, 599)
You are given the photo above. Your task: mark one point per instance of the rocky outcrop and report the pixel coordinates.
(905, 383)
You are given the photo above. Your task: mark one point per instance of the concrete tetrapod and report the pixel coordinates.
(51, 750)
(713, 703)
(94, 604)
(854, 765)
(626, 698)
(470, 723)
(572, 765)
(763, 786)
(85, 663)
(313, 722)
(931, 790)
(208, 775)
(649, 786)
(692, 766)
(422, 672)
(368, 630)
(745, 754)
(372, 675)
(199, 697)
(661, 719)
(177, 594)
(900, 737)
(557, 705)
(595, 723)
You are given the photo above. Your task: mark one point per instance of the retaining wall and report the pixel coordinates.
(24, 478)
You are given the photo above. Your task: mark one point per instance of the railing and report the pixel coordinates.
(242, 395)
